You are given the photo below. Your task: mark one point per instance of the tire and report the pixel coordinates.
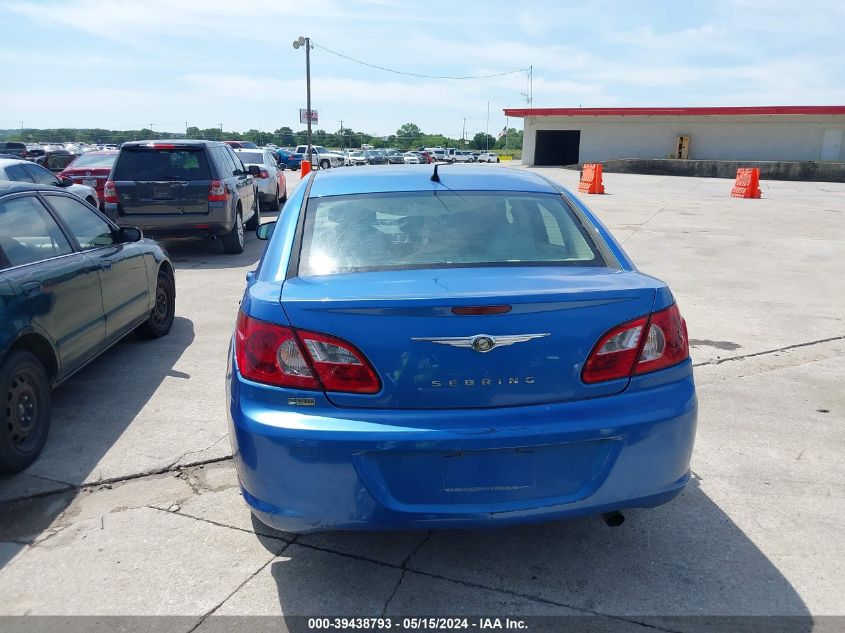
(324, 164)
(284, 197)
(497, 159)
(274, 205)
(233, 241)
(255, 220)
(25, 411)
(164, 310)
(91, 201)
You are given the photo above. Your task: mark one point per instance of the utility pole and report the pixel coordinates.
(464, 134)
(531, 86)
(186, 129)
(341, 134)
(487, 130)
(151, 130)
(21, 130)
(506, 132)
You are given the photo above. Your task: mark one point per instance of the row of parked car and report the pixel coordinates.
(77, 272)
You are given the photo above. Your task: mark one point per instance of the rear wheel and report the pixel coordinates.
(164, 309)
(324, 164)
(233, 241)
(25, 401)
(284, 197)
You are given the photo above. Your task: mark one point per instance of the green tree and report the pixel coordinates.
(284, 137)
(409, 130)
(483, 140)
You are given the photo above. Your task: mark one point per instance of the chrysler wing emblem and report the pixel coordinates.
(481, 342)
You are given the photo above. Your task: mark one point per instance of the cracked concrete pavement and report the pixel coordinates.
(134, 507)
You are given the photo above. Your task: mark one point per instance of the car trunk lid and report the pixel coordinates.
(544, 322)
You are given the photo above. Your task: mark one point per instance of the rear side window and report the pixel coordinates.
(17, 173)
(234, 158)
(151, 163)
(28, 233)
(40, 175)
(434, 230)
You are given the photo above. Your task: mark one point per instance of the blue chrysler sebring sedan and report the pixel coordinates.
(465, 348)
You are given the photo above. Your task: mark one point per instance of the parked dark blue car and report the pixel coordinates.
(456, 349)
(72, 284)
(291, 160)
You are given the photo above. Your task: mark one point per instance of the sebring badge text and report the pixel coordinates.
(484, 382)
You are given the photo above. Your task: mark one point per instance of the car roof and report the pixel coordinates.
(176, 141)
(10, 186)
(14, 161)
(338, 182)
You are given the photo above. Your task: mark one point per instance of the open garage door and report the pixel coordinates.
(557, 147)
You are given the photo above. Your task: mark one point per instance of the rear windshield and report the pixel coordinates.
(95, 160)
(251, 158)
(150, 163)
(434, 230)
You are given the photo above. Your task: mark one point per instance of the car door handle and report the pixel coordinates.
(105, 264)
(32, 288)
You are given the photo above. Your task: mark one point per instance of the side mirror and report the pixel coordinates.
(129, 234)
(254, 170)
(65, 181)
(265, 231)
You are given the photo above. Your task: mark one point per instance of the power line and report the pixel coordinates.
(402, 72)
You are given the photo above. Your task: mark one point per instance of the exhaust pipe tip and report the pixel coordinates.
(613, 519)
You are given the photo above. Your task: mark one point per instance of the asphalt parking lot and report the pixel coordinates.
(133, 508)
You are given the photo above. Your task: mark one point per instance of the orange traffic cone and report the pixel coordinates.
(591, 179)
(747, 183)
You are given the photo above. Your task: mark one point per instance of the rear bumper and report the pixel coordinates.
(420, 469)
(218, 221)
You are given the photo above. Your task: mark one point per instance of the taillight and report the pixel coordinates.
(666, 343)
(277, 355)
(638, 347)
(217, 191)
(339, 366)
(109, 192)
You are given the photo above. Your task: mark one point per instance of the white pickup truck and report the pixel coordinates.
(321, 157)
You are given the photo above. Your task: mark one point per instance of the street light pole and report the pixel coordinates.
(306, 42)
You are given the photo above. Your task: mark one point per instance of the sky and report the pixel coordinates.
(126, 65)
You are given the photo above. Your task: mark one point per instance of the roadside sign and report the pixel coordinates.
(303, 115)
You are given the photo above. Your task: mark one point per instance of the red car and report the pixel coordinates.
(91, 169)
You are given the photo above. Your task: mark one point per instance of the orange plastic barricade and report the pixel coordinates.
(304, 168)
(747, 183)
(591, 179)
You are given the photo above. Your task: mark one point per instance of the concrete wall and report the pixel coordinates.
(746, 138)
